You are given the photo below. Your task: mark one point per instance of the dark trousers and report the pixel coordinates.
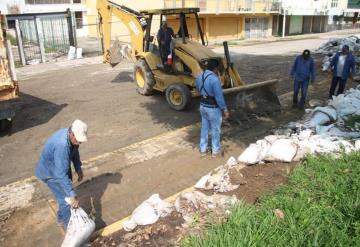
(303, 85)
(335, 81)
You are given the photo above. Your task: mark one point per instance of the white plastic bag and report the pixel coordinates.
(283, 150)
(72, 53)
(148, 212)
(255, 153)
(251, 155)
(79, 229)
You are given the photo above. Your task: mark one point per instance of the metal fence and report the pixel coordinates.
(42, 38)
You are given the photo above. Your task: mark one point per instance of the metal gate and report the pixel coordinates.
(256, 28)
(42, 38)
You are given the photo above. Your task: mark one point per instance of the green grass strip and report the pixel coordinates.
(321, 204)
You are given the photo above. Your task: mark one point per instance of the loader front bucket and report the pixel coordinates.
(256, 99)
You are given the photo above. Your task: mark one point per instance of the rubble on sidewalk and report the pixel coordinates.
(218, 180)
(322, 130)
(191, 205)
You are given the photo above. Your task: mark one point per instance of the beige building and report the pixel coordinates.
(232, 19)
(221, 20)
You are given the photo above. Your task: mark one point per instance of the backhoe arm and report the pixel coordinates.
(134, 21)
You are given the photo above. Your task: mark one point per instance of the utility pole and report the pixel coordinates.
(284, 24)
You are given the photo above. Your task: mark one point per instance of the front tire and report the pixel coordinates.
(178, 96)
(143, 78)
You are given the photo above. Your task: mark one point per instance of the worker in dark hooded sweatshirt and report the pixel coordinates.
(343, 67)
(302, 72)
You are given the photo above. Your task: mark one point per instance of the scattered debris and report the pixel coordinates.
(279, 213)
(218, 180)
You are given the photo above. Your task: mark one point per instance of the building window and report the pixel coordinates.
(79, 19)
(47, 1)
(334, 3)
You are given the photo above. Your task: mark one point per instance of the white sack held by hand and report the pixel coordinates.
(79, 229)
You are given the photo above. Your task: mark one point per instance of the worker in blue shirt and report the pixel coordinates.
(303, 70)
(54, 168)
(212, 107)
(343, 66)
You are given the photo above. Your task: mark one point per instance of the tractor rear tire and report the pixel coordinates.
(178, 96)
(143, 78)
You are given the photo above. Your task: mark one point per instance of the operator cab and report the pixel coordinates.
(182, 36)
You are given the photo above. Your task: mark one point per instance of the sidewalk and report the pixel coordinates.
(250, 42)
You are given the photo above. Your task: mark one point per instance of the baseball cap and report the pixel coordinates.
(79, 128)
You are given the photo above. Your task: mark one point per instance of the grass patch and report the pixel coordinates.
(321, 203)
(352, 121)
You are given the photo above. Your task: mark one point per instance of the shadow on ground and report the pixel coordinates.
(31, 111)
(91, 192)
(123, 76)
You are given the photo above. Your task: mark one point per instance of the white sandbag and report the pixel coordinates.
(79, 229)
(251, 155)
(357, 145)
(79, 53)
(148, 212)
(272, 138)
(319, 118)
(264, 147)
(283, 150)
(346, 146)
(72, 53)
(304, 134)
(305, 147)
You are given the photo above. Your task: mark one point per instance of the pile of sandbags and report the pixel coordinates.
(330, 48)
(322, 130)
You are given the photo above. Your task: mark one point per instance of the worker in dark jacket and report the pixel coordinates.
(343, 66)
(303, 71)
(165, 36)
(54, 166)
(212, 107)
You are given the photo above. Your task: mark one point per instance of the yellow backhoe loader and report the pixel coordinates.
(9, 88)
(177, 80)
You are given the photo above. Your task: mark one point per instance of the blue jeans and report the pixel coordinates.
(63, 213)
(211, 118)
(304, 88)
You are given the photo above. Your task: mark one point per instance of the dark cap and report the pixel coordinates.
(306, 52)
(211, 64)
